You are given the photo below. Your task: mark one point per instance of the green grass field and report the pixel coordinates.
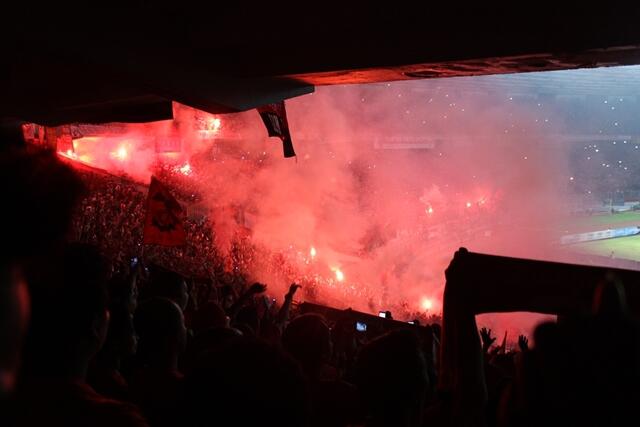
(622, 247)
(597, 222)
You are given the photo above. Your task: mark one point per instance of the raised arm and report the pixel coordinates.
(283, 314)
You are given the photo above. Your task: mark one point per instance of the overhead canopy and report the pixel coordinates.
(127, 62)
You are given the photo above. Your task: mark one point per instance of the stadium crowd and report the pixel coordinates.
(84, 343)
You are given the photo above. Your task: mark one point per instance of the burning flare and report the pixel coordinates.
(121, 153)
(339, 274)
(426, 304)
(214, 124)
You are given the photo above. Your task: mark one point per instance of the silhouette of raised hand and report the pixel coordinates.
(292, 290)
(487, 339)
(523, 343)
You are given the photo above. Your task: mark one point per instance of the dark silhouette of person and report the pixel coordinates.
(168, 284)
(157, 384)
(333, 402)
(391, 375)
(14, 317)
(38, 195)
(613, 368)
(247, 319)
(121, 343)
(68, 327)
(308, 339)
(246, 383)
(209, 315)
(204, 341)
(123, 291)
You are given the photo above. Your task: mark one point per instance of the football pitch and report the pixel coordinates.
(621, 247)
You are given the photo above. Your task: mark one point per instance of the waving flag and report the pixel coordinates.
(274, 117)
(163, 222)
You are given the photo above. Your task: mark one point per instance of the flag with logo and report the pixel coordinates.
(163, 223)
(274, 117)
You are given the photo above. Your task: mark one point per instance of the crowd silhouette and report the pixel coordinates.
(86, 344)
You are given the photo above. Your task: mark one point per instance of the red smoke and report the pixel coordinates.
(389, 181)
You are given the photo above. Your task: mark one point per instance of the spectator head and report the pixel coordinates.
(308, 339)
(247, 383)
(123, 291)
(227, 296)
(170, 285)
(159, 324)
(547, 336)
(344, 339)
(392, 378)
(69, 313)
(207, 340)
(213, 338)
(209, 315)
(39, 193)
(609, 299)
(248, 316)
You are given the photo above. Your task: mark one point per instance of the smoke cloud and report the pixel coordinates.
(389, 181)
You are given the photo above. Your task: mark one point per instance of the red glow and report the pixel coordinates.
(186, 169)
(121, 153)
(138, 150)
(391, 219)
(339, 274)
(214, 124)
(169, 157)
(426, 304)
(211, 127)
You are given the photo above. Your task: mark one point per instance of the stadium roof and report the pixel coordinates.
(126, 61)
